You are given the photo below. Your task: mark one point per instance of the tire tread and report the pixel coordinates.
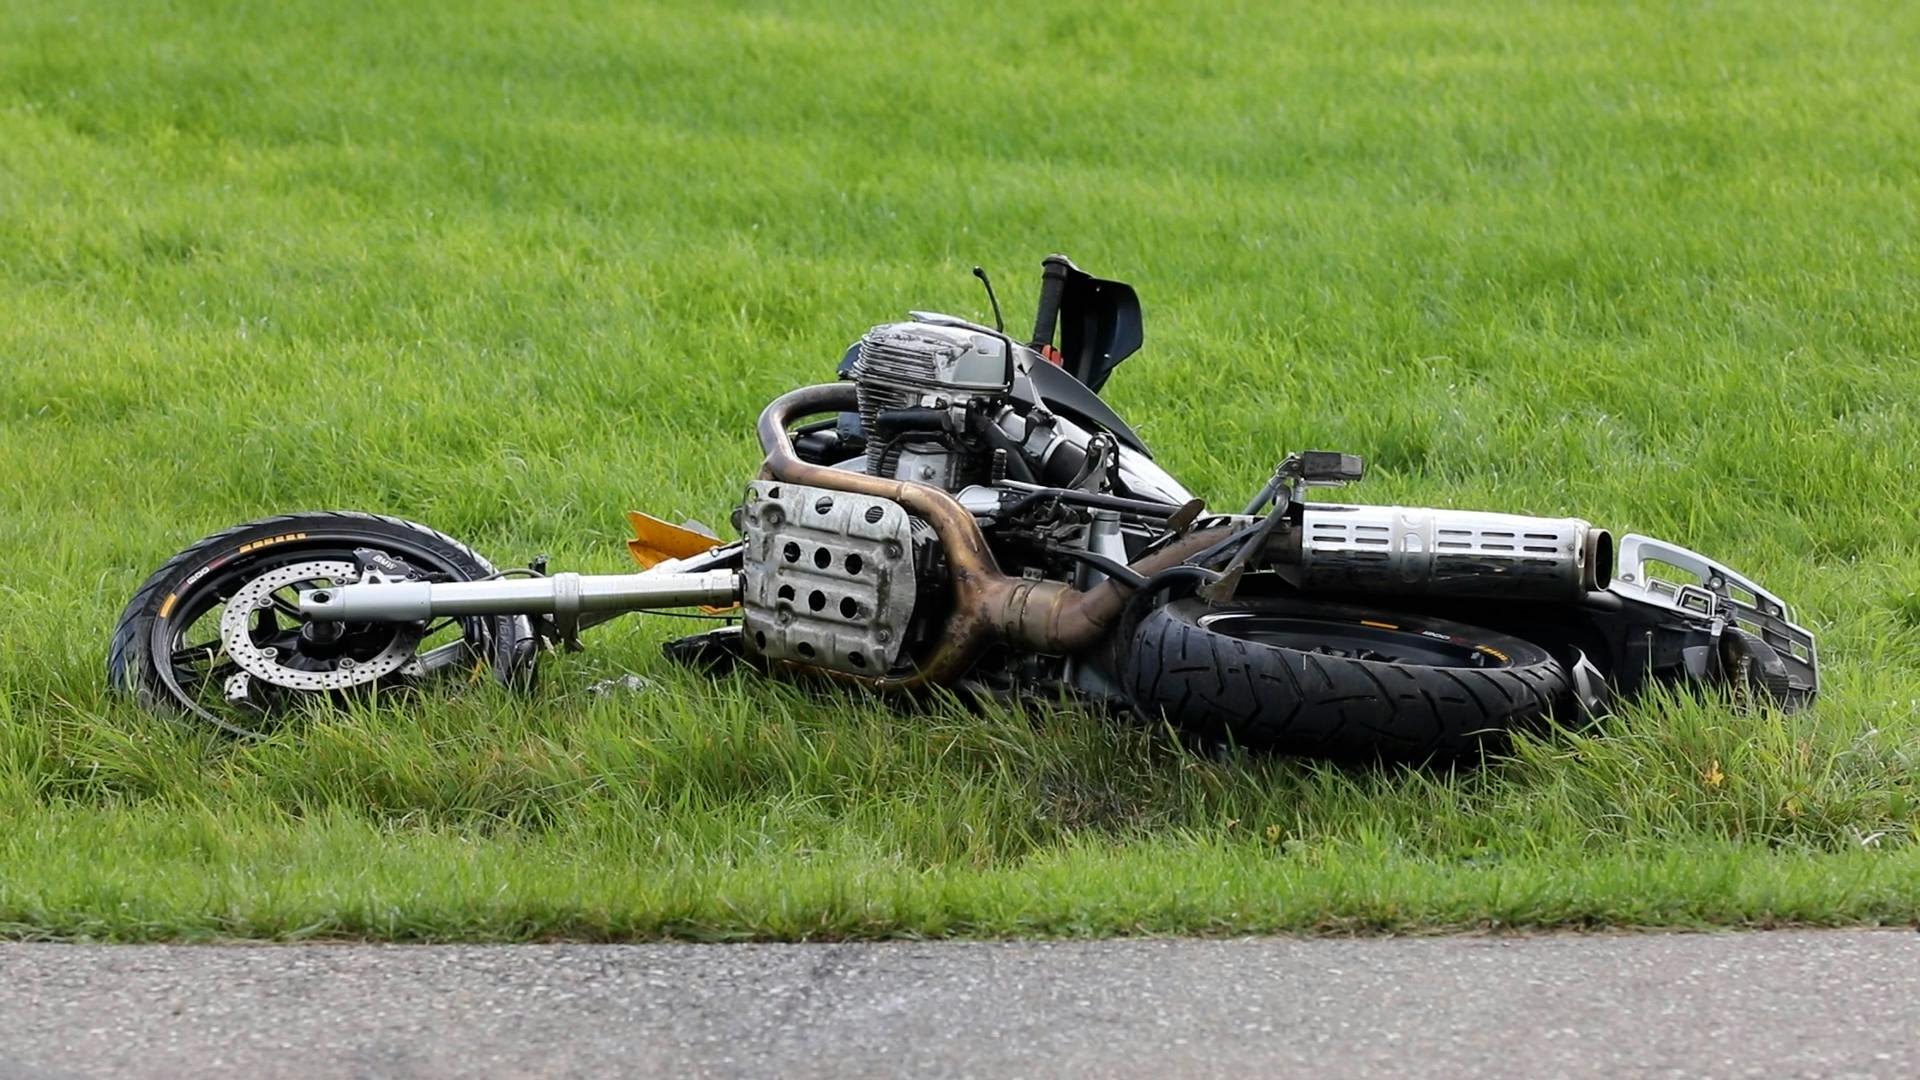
(1265, 696)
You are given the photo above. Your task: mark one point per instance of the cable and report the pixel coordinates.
(1143, 596)
(1109, 567)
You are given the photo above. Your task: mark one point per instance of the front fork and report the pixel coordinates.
(570, 600)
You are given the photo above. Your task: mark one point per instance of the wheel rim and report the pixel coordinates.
(1382, 642)
(188, 652)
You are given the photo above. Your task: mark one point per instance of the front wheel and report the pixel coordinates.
(216, 633)
(1332, 680)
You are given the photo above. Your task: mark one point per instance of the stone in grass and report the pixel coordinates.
(628, 683)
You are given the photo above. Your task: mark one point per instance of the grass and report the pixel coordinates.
(513, 269)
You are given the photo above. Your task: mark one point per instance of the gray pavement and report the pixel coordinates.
(1770, 1004)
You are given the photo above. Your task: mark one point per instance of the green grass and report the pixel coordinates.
(512, 269)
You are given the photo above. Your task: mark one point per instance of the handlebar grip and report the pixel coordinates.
(1053, 287)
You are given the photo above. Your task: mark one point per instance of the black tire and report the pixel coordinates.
(1337, 681)
(143, 657)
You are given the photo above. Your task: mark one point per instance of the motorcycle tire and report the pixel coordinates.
(150, 657)
(1339, 681)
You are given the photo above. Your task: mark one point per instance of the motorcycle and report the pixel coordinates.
(962, 510)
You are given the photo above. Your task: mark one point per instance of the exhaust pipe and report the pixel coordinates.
(1401, 550)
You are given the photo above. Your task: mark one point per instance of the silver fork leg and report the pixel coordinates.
(564, 595)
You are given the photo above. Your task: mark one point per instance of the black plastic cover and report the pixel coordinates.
(1064, 394)
(1100, 325)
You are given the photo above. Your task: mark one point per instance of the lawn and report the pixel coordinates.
(512, 269)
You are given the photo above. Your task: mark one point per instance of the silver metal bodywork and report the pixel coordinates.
(829, 577)
(1143, 479)
(1646, 575)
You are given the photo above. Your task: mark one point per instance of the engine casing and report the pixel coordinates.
(829, 578)
(924, 365)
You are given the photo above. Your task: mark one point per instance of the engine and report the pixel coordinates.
(918, 385)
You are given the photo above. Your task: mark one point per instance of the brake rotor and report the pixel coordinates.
(265, 662)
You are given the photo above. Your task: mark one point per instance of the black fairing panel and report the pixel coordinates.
(1067, 395)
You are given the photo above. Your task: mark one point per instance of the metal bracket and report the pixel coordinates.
(1291, 478)
(566, 609)
(378, 567)
(1303, 469)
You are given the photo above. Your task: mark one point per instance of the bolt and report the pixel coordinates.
(883, 635)
(347, 663)
(270, 652)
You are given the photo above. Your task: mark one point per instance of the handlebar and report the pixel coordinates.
(1053, 288)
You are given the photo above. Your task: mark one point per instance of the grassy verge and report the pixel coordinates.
(511, 272)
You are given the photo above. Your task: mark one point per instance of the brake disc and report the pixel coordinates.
(265, 663)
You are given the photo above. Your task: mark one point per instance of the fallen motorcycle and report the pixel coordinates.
(961, 510)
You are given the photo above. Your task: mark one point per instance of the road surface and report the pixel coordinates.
(1778, 1004)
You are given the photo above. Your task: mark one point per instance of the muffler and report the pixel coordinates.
(1402, 550)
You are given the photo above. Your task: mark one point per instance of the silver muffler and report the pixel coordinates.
(1400, 550)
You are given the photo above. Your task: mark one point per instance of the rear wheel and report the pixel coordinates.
(1334, 680)
(216, 633)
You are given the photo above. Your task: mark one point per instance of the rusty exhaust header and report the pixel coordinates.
(989, 605)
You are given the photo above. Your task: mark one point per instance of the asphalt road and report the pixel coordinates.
(1777, 1004)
